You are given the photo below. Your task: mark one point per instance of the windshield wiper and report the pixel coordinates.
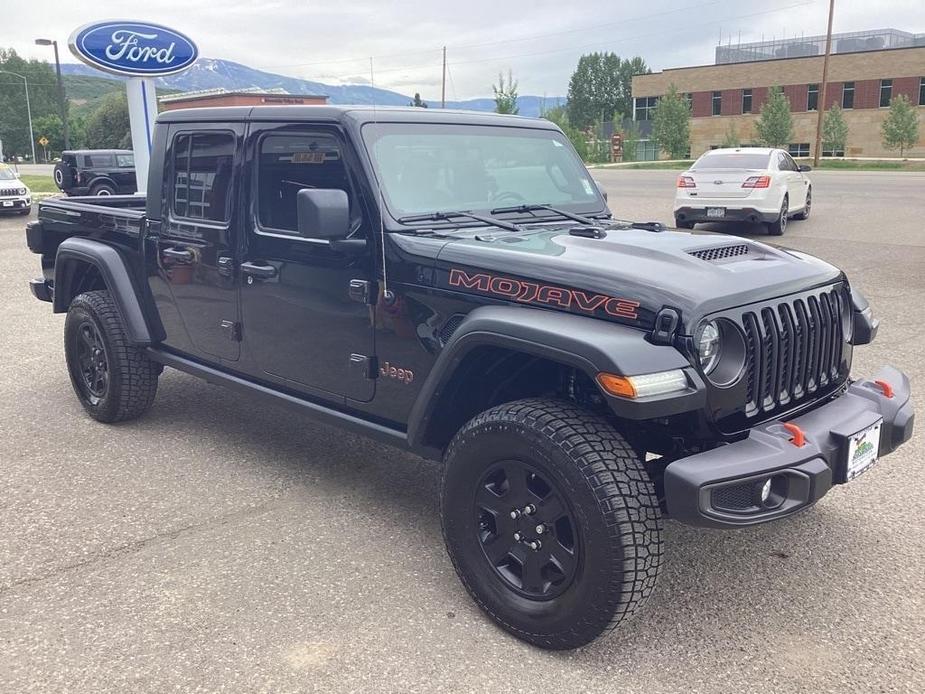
(538, 206)
(447, 216)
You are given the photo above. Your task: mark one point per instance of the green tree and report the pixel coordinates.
(418, 102)
(900, 129)
(671, 124)
(774, 127)
(731, 138)
(108, 126)
(559, 116)
(602, 84)
(505, 94)
(834, 130)
(43, 99)
(631, 137)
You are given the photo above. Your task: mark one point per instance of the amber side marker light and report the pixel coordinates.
(642, 386)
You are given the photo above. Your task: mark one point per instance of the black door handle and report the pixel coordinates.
(184, 254)
(261, 271)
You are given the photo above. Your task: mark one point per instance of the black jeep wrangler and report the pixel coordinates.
(96, 172)
(453, 284)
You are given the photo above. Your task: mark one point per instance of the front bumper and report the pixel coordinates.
(719, 488)
(15, 204)
(733, 214)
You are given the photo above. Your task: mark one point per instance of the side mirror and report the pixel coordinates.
(600, 189)
(323, 213)
(805, 167)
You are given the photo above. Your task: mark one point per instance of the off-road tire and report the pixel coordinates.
(808, 207)
(102, 189)
(63, 176)
(683, 224)
(132, 376)
(779, 225)
(609, 494)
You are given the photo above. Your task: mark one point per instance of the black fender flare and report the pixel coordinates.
(589, 344)
(102, 178)
(116, 273)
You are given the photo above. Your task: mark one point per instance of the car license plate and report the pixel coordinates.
(716, 212)
(7, 203)
(863, 449)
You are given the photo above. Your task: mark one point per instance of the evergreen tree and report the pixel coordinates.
(601, 85)
(505, 94)
(900, 129)
(417, 101)
(671, 124)
(774, 127)
(834, 130)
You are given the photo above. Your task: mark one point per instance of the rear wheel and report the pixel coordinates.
(807, 208)
(113, 379)
(551, 521)
(102, 189)
(777, 227)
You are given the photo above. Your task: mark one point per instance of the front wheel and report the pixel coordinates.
(113, 379)
(551, 521)
(807, 207)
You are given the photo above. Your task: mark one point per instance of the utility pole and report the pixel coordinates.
(62, 103)
(820, 107)
(443, 87)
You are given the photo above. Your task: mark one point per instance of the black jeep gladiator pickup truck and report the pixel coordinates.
(454, 284)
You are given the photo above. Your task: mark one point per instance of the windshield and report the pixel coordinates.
(7, 174)
(425, 167)
(733, 160)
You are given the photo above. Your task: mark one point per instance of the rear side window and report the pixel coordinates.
(732, 160)
(201, 175)
(99, 161)
(288, 163)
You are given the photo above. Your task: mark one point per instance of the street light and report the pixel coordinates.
(28, 109)
(62, 106)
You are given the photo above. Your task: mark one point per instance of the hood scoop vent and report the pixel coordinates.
(712, 255)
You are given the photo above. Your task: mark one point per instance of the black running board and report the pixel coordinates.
(325, 415)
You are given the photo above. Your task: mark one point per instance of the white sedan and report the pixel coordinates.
(744, 184)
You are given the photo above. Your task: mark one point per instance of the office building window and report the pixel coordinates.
(886, 92)
(833, 152)
(717, 103)
(798, 149)
(847, 95)
(922, 91)
(645, 107)
(746, 101)
(689, 99)
(812, 97)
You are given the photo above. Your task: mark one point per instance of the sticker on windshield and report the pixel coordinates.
(586, 184)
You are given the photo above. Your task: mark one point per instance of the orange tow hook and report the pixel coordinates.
(799, 437)
(886, 388)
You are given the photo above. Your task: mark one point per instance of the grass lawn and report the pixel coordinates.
(843, 164)
(40, 184)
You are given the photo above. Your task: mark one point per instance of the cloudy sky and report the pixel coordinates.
(539, 40)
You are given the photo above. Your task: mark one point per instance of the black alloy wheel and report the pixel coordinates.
(92, 362)
(526, 530)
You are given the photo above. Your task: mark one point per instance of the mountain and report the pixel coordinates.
(211, 73)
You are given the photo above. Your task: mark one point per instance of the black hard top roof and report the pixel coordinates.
(357, 114)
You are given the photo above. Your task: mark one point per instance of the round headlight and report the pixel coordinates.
(709, 346)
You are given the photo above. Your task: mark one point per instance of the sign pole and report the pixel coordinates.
(142, 111)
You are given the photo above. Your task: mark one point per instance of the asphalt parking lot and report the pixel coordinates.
(217, 546)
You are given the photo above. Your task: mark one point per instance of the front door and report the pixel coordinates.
(302, 326)
(194, 243)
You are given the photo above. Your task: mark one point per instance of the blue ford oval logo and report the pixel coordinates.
(137, 49)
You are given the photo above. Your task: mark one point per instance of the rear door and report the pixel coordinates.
(195, 244)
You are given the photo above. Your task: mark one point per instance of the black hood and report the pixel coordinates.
(696, 273)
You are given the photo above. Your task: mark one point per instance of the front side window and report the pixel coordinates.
(429, 167)
(812, 97)
(290, 162)
(645, 107)
(717, 103)
(746, 101)
(201, 175)
(886, 92)
(847, 95)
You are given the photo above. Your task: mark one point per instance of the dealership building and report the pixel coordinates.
(866, 70)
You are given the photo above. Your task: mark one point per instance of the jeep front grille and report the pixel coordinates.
(794, 349)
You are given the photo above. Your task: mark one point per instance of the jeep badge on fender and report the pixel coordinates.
(577, 377)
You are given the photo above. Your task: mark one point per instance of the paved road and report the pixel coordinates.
(218, 546)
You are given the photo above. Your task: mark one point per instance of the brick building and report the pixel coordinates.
(242, 97)
(865, 71)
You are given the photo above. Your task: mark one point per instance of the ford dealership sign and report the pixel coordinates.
(135, 49)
